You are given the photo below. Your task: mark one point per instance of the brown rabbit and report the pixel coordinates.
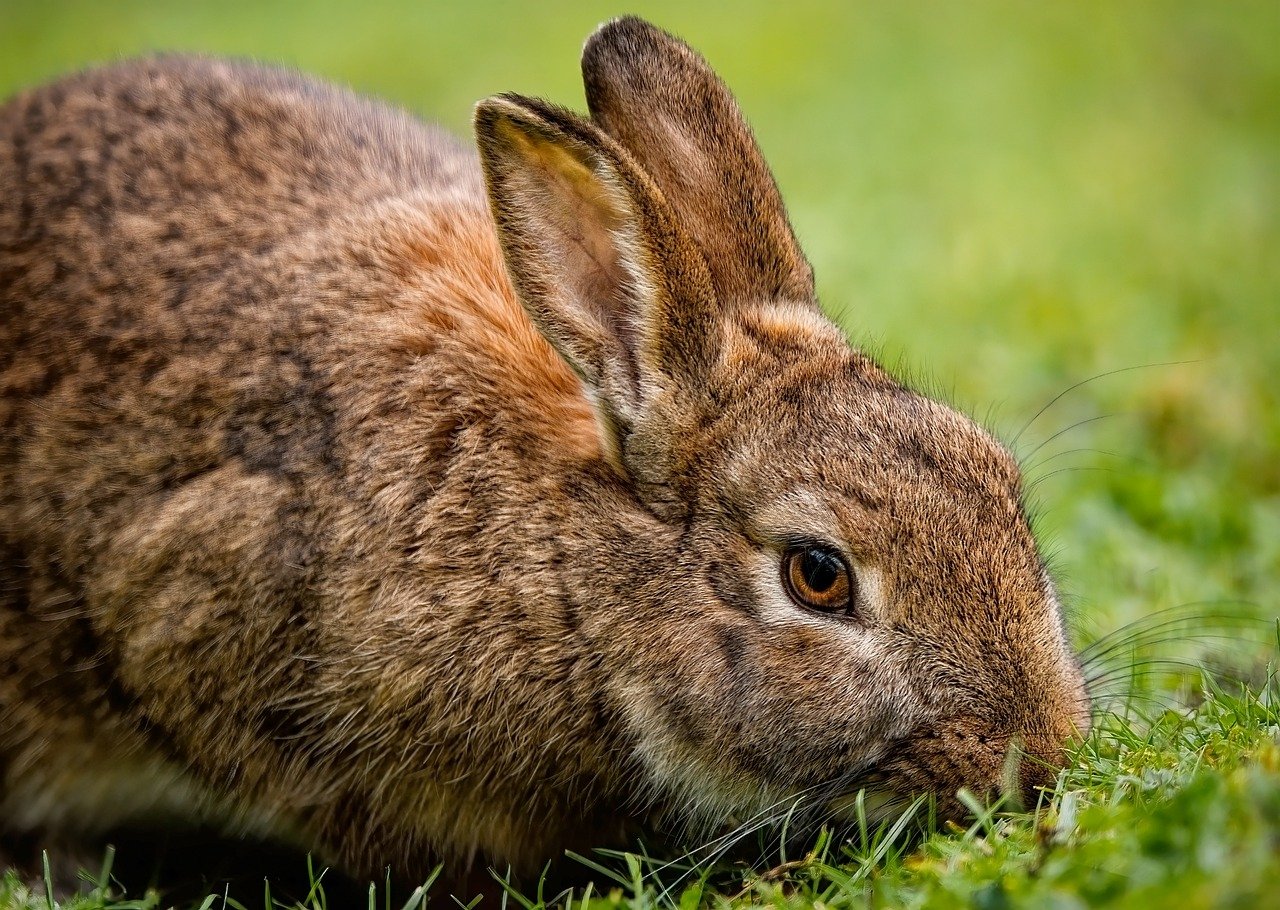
(330, 511)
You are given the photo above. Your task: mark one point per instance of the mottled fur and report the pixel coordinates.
(307, 525)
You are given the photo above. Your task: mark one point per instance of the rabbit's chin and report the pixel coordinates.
(703, 806)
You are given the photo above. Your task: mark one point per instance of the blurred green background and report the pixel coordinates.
(1001, 198)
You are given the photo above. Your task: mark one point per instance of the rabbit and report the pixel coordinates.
(423, 506)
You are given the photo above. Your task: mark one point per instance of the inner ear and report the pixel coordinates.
(577, 203)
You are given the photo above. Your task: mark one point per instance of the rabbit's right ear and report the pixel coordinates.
(596, 257)
(666, 106)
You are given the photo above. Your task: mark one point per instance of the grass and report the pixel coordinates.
(1024, 199)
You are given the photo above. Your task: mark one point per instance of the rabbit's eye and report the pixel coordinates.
(817, 577)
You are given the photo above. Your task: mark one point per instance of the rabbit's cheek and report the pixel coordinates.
(768, 715)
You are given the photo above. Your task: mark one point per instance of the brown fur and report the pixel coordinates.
(307, 527)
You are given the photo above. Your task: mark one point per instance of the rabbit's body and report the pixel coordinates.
(306, 525)
(248, 320)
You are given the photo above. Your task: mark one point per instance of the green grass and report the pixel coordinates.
(1009, 199)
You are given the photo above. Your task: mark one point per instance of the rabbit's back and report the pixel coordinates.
(204, 261)
(228, 155)
(165, 221)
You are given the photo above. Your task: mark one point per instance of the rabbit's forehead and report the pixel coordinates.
(797, 398)
(873, 446)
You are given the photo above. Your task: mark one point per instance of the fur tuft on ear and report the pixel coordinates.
(665, 105)
(596, 257)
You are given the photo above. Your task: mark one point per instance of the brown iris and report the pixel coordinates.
(816, 577)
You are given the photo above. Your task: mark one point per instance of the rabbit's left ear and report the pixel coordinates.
(595, 254)
(665, 105)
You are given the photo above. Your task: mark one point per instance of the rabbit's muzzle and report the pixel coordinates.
(962, 752)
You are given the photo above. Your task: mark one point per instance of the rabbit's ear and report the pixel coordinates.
(665, 105)
(595, 256)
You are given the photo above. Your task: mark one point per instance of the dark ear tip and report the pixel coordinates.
(489, 110)
(498, 118)
(490, 113)
(529, 114)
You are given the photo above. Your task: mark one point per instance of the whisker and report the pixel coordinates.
(1030, 470)
(1071, 388)
(1098, 468)
(1144, 667)
(716, 848)
(1127, 697)
(813, 807)
(1169, 633)
(1186, 612)
(1068, 429)
(1116, 657)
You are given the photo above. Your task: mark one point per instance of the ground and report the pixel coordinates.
(1063, 217)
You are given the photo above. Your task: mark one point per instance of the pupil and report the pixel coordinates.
(820, 570)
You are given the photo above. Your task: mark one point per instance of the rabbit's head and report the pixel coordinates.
(853, 598)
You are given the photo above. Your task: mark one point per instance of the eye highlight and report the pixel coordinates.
(816, 577)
